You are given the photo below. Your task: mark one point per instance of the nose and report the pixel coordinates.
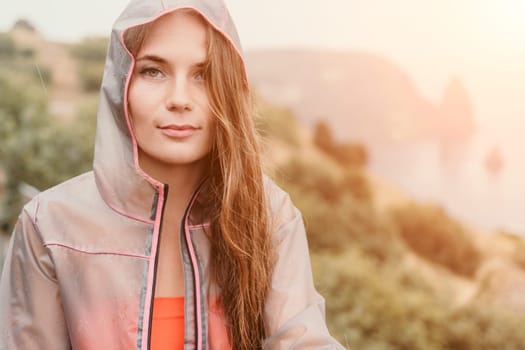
(177, 96)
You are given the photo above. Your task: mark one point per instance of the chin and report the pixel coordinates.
(182, 160)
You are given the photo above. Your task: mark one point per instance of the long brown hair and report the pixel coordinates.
(240, 256)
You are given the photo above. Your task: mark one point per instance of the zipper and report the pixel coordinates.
(165, 199)
(186, 245)
(195, 268)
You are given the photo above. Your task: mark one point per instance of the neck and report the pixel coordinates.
(181, 190)
(181, 179)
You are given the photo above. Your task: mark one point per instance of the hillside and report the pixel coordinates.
(413, 250)
(363, 96)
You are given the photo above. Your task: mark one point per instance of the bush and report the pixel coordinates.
(27, 52)
(309, 178)
(434, 236)
(91, 56)
(355, 181)
(330, 186)
(90, 75)
(43, 75)
(34, 148)
(379, 306)
(21, 64)
(90, 50)
(335, 217)
(369, 306)
(7, 47)
(517, 255)
(346, 154)
(279, 123)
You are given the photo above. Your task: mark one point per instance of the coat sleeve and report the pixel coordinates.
(295, 312)
(31, 313)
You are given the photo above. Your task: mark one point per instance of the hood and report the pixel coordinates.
(120, 181)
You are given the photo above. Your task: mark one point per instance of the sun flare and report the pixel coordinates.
(504, 20)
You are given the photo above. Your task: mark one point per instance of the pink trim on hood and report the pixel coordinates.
(139, 170)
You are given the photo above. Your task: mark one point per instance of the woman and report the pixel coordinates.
(175, 239)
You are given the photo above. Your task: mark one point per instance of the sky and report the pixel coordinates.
(480, 41)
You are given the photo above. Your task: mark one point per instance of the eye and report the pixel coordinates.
(199, 76)
(151, 72)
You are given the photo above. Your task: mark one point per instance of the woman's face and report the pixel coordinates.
(171, 117)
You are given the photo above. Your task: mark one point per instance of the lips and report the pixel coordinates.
(178, 131)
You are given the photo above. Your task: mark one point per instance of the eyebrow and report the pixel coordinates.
(161, 60)
(151, 58)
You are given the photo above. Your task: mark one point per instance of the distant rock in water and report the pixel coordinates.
(494, 162)
(455, 120)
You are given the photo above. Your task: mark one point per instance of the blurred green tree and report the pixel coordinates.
(347, 154)
(91, 56)
(35, 148)
(7, 47)
(432, 234)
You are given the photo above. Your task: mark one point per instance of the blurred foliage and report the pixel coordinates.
(338, 213)
(36, 148)
(90, 75)
(91, 50)
(91, 56)
(7, 47)
(20, 63)
(347, 154)
(277, 123)
(379, 306)
(27, 52)
(433, 235)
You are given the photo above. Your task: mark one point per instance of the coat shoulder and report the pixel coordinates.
(279, 201)
(72, 203)
(282, 211)
(70, 191)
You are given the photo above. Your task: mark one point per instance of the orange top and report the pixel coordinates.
(167, 330)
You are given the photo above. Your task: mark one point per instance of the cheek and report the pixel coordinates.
(133, 100)
(139, 102)
(136, 113)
